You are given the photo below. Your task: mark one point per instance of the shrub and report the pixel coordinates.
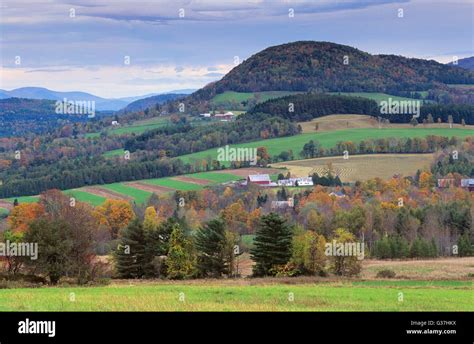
(387, 273)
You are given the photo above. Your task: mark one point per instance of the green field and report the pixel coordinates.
(140, 196)
(330, 138)
(174, 184)
(378, 97)
(135, 128)
(4, 211)
(215, 177)
(238, 97)
(24, 199)
(86, 197)
(115, 152)
(220, 296)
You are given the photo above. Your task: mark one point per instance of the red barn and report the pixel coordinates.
(262, 179)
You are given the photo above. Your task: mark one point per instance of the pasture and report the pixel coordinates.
(247, 295)
(329, 139)
(360, 167)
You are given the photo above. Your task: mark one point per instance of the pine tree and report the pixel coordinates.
(130, 254)
(211, 244)
(464, 246)
(272, 244)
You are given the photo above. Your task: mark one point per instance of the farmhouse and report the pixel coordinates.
(337, 194)
(446, 182)
(283, 204)
(304, 181)
(225, 117)
(468, 184)
(261, 179)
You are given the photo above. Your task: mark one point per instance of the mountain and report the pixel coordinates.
(331, 67)
(142, 104)
(466, 63)
(101, 104)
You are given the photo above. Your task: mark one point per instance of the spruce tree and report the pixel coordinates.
(130, 253)
(272, 244)
(211, 244)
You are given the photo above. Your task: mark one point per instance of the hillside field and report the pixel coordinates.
(343, 121)
(238, 97)
(361, 167)
(329, 139)
(378, 97)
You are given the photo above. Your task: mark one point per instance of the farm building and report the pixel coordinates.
(205, 115)
(304, 181)
(446, 182)
(283, 204)
(262, 179)
(468, 184)
(337, 194)
(225, 117)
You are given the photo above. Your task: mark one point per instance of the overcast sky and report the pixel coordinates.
(84, 45)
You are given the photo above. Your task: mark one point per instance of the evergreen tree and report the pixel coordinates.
(130, 255)
(210, 244)
(272, 244)
(464, 246)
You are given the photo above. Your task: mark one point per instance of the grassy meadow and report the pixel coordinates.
(329, 139)
(361, 167)
(249, 295)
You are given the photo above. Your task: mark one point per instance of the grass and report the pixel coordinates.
(329, 139)
(140, 196)
(24, 199)
(228, 296)
(174, 184)
(4, 211)
(215, 177)
(137, 127)
(240, 97)
(361, 167)
(86, 197)
(115, 152)
(378, 97)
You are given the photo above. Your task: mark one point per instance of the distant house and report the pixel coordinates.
(446, 182)
(261, 179)
(205, 115)
(468, 184)
(304, 181)
(225, 117)
(337, 194)
(283, 204)
(115, 123)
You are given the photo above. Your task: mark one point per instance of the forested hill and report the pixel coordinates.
(22, 106)
(320, 66)
(145, 103)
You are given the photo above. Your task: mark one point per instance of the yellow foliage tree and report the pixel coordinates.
(115, 214)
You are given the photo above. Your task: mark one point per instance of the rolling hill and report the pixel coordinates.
(145, 103)
(331, 67)
(466, 63)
